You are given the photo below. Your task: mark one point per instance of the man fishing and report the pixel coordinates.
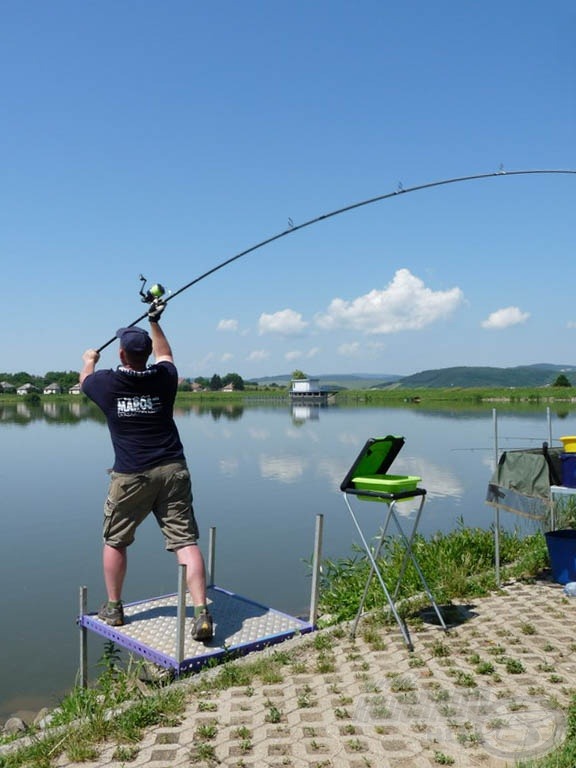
(150, 473)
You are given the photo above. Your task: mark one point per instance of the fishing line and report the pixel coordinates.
(296, 227)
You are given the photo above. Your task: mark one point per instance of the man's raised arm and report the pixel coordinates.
(160, 347)
(90, 357)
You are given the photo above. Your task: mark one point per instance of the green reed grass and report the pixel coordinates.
(459, 564)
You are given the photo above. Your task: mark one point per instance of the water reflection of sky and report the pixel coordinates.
(441, 482)
(284, 469)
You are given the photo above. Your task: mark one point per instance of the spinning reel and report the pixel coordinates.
(153, 294)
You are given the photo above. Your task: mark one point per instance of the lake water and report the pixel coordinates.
(261, 475)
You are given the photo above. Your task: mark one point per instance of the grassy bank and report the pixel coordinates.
(469, 395)
(458, 565)
(491, 396)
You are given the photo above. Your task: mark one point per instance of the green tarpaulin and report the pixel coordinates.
(521, 482)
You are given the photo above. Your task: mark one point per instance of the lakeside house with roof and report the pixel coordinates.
(52, 389)
(26, 389)
(308, 391)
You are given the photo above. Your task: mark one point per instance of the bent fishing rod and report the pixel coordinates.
(157, 292)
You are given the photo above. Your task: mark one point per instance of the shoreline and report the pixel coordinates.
(496, 688)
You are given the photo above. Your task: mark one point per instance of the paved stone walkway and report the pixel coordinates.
(493, 690)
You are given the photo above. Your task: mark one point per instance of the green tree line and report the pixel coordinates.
(67, 379)
(215, 383)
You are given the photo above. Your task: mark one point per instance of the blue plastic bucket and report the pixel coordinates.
(568, 469)
(562, 553)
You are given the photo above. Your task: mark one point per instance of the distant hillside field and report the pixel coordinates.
(537, 375)
(540, 375)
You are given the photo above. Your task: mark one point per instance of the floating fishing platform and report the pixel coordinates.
(152, 629)
(158, 628)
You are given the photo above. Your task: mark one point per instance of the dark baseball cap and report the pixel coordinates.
(135, 340)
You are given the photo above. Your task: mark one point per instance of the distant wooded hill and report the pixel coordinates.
(537, 375)
(540, 375)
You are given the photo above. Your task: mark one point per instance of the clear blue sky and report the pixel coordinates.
(163, 138)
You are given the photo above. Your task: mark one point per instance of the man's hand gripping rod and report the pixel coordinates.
(154, 297)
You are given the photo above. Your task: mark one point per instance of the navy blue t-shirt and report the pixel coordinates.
(139, 408)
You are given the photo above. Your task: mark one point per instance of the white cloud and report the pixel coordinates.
(227, 325)
(257, 355)
(287, 322)
(226, 357)
(297, 354)
(405, 304)
(355, 349)
(351, 349)
(504, 318)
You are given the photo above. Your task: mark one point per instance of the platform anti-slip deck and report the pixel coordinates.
(240, 625)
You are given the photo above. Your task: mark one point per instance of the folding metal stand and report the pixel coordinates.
(367, 481)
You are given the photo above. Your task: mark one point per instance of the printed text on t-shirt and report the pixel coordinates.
(134, 406)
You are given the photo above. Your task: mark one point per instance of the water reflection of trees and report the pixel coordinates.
(78, 409)
(230, 411)
(82, 409)
(485, 413)
(53, 411)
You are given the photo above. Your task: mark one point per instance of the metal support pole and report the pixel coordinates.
(211, 556)
(181, 613)
(497, 510)
(316, 569)
(409, 555)
(552, 504)
(374, 570)
(83, 672)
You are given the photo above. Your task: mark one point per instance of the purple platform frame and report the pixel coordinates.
(241, 626)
